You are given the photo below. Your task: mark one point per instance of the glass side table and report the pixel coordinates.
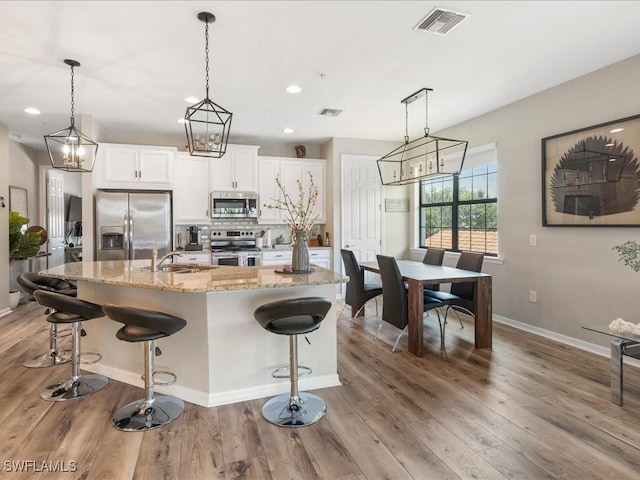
(622, 344)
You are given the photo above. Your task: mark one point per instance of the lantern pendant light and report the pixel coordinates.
(70, 149)
(207, 125)
(423, 158)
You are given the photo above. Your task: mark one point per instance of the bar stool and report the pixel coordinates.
(71, 310)
(146, 326)
(293, 317)
(30, 282)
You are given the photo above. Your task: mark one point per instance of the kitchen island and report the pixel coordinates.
(223, 355)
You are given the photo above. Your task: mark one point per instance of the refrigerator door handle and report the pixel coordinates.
(131, 249)
(125, 223)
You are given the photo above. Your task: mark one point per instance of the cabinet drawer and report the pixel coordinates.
(277, 257)
(201, 258)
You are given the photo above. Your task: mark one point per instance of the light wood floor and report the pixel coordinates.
(527, 409)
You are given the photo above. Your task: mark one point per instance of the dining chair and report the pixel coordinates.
(460, 297)
(358, 292)
(433, 256)
(395, 307)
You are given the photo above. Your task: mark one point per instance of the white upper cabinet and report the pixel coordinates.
(135, 166)
(268, 168)
(290, 170)
(236, 170)
(191, 189)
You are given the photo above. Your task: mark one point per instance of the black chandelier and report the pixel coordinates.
(207, 124)
(423, 158)
(70, 149)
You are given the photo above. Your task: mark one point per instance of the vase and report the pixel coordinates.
(300, 258)
(14, 299)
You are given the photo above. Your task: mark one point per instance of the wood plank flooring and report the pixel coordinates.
(529, 408)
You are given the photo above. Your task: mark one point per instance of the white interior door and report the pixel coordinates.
(361, 207)
(55, 217)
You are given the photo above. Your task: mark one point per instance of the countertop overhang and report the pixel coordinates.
(136, 273)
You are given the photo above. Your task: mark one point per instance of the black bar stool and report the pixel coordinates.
(293, 317)
(30, 282)
(71, 310)
(146, 326)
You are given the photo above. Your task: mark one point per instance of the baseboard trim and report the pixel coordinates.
(565, 339)
(5, 311)
(205, 399)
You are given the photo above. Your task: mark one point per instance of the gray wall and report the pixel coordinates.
(576, 274)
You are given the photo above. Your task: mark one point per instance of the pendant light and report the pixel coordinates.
(70, 149)
(423, 158)
(207, 125)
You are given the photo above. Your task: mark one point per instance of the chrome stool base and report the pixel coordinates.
(287, 411)
(138, 416)
(48, 359)
(70, 389)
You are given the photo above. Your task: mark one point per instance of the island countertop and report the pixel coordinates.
(136, 273)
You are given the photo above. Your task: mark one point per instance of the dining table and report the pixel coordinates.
(418, 274)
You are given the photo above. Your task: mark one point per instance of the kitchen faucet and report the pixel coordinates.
(155, 263)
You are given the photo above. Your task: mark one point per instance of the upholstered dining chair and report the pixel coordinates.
(460, 297)
(358, 292)
(433, 256)
(395, 307)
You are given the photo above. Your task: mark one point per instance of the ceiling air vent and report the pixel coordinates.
(440, 21)
(329, 112)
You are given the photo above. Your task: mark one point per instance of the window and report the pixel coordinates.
(461, 212)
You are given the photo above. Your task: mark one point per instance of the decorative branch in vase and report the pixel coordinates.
(629, 253)
(299, 217)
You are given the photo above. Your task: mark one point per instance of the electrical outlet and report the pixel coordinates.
(533, 296)
(532, 240)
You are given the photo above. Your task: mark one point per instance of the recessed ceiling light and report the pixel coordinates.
(287, 130)
(616, 130)
(294, 89)
(32, 111)
(192, 99)
(182, 120)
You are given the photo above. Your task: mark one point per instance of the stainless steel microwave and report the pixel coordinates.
(234, 204)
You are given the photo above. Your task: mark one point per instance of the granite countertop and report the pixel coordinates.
(136, 273)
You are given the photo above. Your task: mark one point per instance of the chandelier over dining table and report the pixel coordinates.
(423, 158)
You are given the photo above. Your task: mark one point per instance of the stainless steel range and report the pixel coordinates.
(234, 247)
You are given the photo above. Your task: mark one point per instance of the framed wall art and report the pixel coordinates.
(591, 176)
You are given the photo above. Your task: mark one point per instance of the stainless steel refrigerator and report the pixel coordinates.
(128, 223)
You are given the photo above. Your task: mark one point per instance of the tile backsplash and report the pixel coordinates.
(277, 231)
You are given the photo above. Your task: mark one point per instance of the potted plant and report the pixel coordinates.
(23, 244)
(629, 253)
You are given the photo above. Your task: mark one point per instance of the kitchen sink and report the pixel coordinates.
(182, 268)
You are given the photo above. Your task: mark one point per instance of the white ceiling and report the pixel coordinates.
(140, 59)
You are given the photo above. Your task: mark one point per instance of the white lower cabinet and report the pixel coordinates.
(276, 257)
(320, 257)
(199, 258)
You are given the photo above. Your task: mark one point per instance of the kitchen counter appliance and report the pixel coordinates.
(234, 204)
(194, 235)
(234, 247)
(128, 223)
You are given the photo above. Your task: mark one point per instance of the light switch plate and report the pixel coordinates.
(532, 240)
